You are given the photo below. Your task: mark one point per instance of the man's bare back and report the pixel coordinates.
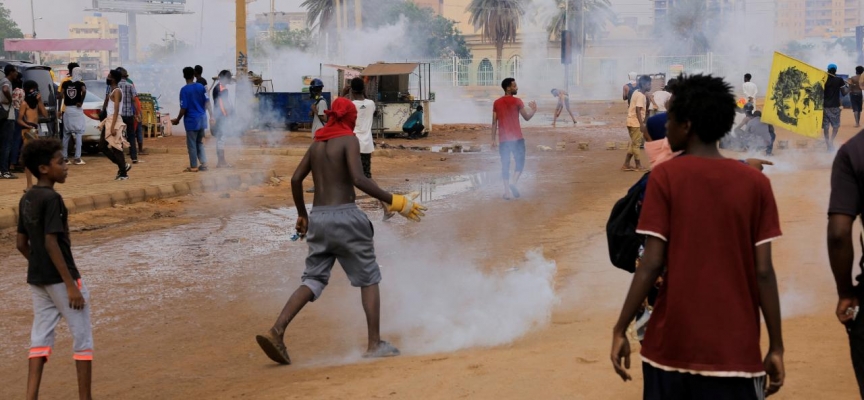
(337, 169)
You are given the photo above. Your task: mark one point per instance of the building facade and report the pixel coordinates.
(292, 21)
(799, 19)
(95, 27)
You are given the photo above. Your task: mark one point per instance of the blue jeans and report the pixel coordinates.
(17, 143)
(7, 130)
(195, 146)
(79, 136)
(517, 149)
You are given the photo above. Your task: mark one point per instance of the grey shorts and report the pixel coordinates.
(50, 302)
(341, 233)
(831, 116)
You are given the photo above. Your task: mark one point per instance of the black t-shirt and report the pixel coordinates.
(202, 81)
(847, 178)
(221, 102)
(42, 212)
(73, 93)
(832, 91)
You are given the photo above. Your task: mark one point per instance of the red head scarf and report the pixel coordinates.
(342, 119)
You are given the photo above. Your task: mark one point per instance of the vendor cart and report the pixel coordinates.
(398, 88)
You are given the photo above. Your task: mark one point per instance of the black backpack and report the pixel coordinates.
(624, 242)
(633, 88)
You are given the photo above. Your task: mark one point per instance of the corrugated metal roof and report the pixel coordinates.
(381, 69)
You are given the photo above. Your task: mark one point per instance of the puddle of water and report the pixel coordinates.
(441, 188)
(465, 147)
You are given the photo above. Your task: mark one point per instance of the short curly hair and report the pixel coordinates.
(40, 152)
(706, 102)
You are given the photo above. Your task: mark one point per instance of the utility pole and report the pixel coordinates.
(272, 17)
(201, 36)
(339, 26)
(240, 40)
(33, 17)
(358, 15)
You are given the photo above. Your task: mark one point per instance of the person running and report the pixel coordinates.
(223, 115)
(363, 129)
(337, 229)
(507, 133)
(413, 126)
(835, 88)
(563, 102)
(28, 119)
(74, 121)
(55, 282)
(194, 105)
(703, 337)
(855, 94)
(113, 137)
(636, 117)
(845, 205)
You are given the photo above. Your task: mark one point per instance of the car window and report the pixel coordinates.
(92, 98)
(43, 78)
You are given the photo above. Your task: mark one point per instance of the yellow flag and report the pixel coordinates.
(795, 94)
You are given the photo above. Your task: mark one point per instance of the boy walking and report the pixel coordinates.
(55, 283)
(194, 105)
(337, 229)
(703, 337)
(636, 117)
(507, 133)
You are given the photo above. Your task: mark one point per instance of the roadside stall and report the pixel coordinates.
(398, 89)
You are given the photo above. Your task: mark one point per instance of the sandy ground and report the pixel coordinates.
(487, 298)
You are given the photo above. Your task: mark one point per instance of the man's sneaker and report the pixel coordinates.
(134, 161)
(66, 160)
(121, 177)
(7, 175)
(128, 167)
(79, 161)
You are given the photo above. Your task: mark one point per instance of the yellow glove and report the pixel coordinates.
(407, 207)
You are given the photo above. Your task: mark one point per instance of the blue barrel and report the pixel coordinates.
(285, 110)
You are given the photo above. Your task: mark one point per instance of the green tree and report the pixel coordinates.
(596, 13)
(427, 34)
(301, 40)
(8, 28)
(688, 21)
(498, 21)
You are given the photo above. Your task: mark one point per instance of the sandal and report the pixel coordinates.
(273, 348)
(384, 349)
(190, 169)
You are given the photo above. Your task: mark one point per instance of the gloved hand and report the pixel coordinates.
(407, 207)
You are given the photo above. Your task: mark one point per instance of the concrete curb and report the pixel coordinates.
(9, 216)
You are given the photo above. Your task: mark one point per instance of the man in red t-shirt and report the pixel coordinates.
(711, 221)
(507, 133)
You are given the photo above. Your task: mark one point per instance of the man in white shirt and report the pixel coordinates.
(319, 105)
(363, 129)
(750, 89)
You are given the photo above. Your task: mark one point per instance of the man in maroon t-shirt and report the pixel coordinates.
(847, 203)
(507, 133)
(711, 221)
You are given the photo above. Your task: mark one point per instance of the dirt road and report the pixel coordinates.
(487, 298)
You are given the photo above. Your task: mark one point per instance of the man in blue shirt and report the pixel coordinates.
(194, 105)
(414, 125)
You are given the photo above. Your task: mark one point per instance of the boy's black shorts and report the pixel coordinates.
(672, 385)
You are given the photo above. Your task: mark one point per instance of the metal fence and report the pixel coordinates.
(594, 77)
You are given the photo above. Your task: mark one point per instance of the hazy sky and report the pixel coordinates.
(218, 19)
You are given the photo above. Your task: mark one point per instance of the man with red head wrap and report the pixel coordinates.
(337, 229)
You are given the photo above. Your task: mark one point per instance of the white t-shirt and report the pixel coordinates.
(363, 127)
(661, 97)
(316, 120)
(750, 89)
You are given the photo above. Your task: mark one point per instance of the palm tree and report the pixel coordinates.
(597, 13)
(498, 20)
(320, 13)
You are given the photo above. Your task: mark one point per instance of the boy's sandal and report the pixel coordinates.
(190, 169)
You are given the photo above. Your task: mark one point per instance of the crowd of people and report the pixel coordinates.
(699, 327)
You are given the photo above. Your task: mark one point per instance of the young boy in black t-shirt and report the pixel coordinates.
(57, 290)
